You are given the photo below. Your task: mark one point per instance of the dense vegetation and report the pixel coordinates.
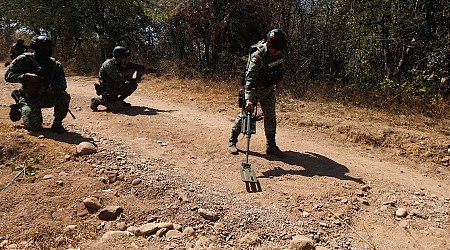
(388, 53)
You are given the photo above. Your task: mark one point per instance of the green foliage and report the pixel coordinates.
(379, 48)
(28, 164)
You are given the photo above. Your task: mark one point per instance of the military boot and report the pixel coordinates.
(272, 148)
(58, 127)
(95, 102)
(14, 112)
(232, 143)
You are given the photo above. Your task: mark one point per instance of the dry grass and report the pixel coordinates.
(415, 136)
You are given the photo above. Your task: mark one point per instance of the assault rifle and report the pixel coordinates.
(46, 78)
(249, 118)
(140, 70)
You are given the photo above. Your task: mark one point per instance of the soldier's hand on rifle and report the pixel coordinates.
(30, 77)
(248, 105)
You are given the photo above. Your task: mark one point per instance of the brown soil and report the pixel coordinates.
(347, 172)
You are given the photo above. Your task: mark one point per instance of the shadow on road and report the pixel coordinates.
(313, 164)
(68, 137)
(138, 110)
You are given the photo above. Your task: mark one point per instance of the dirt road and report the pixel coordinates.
(325, 186)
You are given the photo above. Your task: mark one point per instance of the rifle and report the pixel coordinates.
(249, 118)
(141, 70)
(46, 78)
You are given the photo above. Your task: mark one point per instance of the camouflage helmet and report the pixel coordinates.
(38, 41)
(276, 39)
(120, 52)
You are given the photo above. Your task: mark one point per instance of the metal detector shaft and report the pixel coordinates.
(248, 135)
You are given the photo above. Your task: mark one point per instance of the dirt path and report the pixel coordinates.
(319, 179)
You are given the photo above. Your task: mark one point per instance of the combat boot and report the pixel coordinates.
(14, 112)
(232, 143)
(272, 148)
(58, 127)
(95, 102)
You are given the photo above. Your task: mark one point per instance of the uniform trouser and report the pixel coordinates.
(267, 102)
(111, 98)
(30, 108)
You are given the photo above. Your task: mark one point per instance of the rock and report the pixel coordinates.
(300, 242)
(401, 212)
(209, 215)
(363, 201)
(60, 183)
(48, 177)
(251, 239)
(365, 188)
(174, 234)
(189, 231)
(167, 225)
(110, 213)
(71, 228)
(136, 182)
(177, 227)
(418, 213)
(219, 227)
(86, 148)
(161, 232)
(4, 244)
(147, 229)
(92, 203)
(121, 226)
(115, 234)
(132, 229)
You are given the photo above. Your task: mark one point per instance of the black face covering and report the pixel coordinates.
(43, 54)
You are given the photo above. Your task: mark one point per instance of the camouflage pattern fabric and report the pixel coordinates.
(259, 88)
(116, 83)
(35, 96)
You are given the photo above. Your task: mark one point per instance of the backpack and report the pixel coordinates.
(251, 50)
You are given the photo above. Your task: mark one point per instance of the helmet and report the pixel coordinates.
(38, 41)
(120, 52)
(276, 39)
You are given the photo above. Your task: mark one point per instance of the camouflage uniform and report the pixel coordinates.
(116, 83)
(260, 88)
(35, 96)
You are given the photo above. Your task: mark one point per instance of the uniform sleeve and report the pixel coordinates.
(115, 73)
(60, 78)
(16, 70)
(254, 65)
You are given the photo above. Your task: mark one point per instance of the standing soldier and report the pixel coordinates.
(263, 75)
(118, 80)
(43, 85)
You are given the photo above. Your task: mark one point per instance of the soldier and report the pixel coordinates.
(118, 80)
(264, 74)
(43, 85)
